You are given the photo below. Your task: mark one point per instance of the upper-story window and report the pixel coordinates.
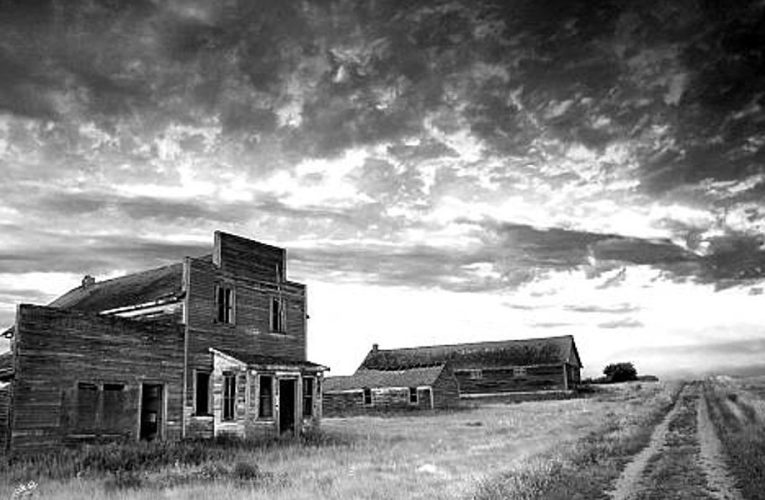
(277, 321)
(224, 303)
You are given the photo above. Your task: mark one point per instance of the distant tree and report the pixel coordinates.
(620, 372)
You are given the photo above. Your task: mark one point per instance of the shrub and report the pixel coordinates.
(246, 471)
(620, 372)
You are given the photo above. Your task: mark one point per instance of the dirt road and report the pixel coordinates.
(683, 459)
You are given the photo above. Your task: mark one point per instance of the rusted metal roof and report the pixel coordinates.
(413, 377)
(132, 289)
(538, 351)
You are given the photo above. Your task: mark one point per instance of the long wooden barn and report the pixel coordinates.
(206, 346)
(491, 368)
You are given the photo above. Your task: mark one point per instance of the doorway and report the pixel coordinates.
(151, 412)
(287, 406)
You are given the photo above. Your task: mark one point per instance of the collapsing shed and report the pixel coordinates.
(418, 388)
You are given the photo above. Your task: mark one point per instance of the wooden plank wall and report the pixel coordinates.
(247, 258)
(384, 399)
(55, 349)
(250, 332)
(5, 408)
(446, 391)
(546, 377)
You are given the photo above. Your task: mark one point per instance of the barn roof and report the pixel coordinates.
(128, 290)
(258, 359)
(6, 365)
(538, 351)
(412, 377)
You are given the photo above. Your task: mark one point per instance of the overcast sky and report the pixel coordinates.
(439, 171)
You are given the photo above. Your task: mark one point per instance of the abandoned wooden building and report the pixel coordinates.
(203, 347)
(490, 368)
(416, 388)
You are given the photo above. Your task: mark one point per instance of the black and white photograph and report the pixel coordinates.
(382, 250)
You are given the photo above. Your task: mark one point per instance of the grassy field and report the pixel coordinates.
(554, 449)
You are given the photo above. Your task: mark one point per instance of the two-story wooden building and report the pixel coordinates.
(207, 346)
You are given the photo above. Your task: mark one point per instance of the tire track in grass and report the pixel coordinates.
(627, 484)
(712, 460)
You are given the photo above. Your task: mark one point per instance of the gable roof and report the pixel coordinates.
(128, 290)
(6, 365)
(538, 351)
(412, 377)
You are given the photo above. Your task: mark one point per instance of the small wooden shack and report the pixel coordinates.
(417, 388)
(492, 368)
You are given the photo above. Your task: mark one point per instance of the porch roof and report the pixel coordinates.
(261, 361)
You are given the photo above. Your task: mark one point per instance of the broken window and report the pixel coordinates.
(475, 374)
(229, 396)
(87, 403)
(413, 395)
(113, 406)
(307, 396)
(277, 315)
(266, 397)
(519, 371)
(203, 393)
(367, 396)
(224, 304)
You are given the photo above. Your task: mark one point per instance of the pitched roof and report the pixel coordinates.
(412, 377)
(258, 359)
(131, 289)
(548, 350)
(6, 365)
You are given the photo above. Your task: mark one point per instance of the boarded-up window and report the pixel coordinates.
(266, 397)
(113, 407)
(229, 395)
(87, 403)
(224, 304)
(413, 395)
(367, 396)
(277, 315)
(308, 396)
(203, 393)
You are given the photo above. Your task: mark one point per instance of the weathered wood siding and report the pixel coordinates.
(250, 332)
(499, 380)
(56, 349)
(384, 399)
(446, 391)
(5, 409)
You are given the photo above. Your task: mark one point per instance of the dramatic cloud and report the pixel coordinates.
(487, 147)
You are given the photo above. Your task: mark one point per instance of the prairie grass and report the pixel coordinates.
(434, 455)
(739, 419)
(585, 468)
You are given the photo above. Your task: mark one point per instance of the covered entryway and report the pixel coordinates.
(151, 412)
(287, 406)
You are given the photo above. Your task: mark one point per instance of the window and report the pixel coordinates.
(203, 393)
(367, 396)
(229, 395)
(87, 403)
(307, 396)
(413, 395)
(113, 406)
(475, 374)
(277, 315)
(519, 371)
(266, 397)
(224, 304)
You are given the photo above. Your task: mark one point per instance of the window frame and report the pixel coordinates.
(519, 372)
(225, 304)
(367, 394)
(228, 401)
(207, 402)
(277, 320)
(262, 413)
(413, 392)
(308, 395)
(475, 374)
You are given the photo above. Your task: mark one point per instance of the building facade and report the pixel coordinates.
(207, 346)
